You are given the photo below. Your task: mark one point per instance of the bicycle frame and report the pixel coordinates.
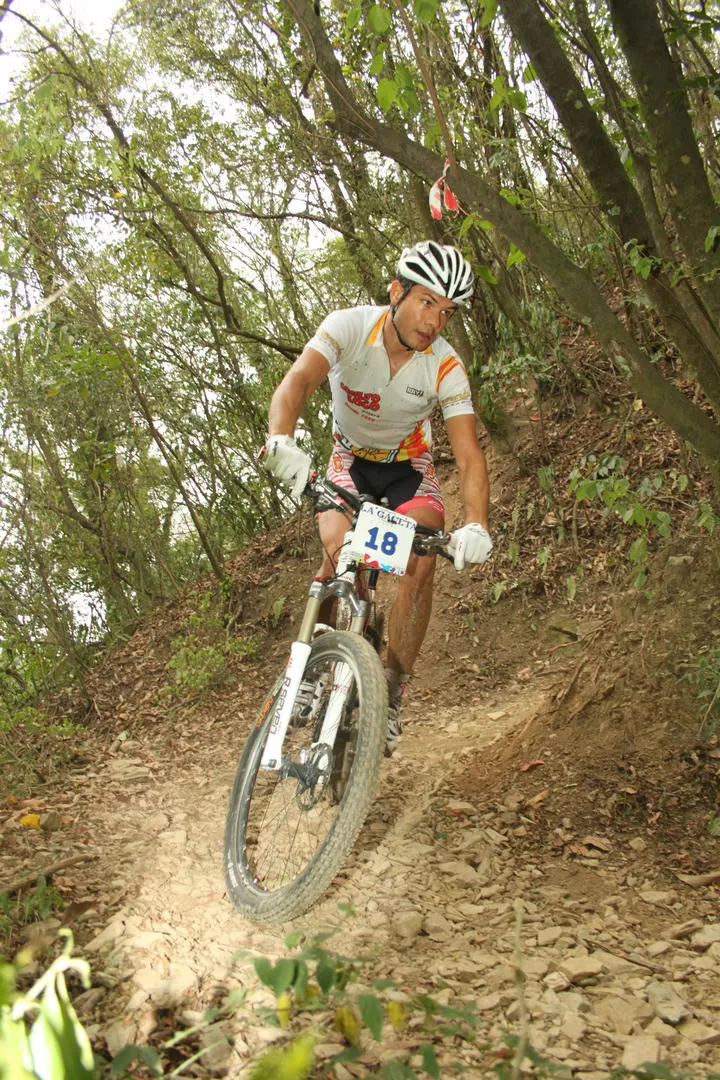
(351, 587)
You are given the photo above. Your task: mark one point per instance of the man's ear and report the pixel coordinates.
(395, 291)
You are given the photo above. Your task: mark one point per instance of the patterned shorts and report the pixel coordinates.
(405, 484)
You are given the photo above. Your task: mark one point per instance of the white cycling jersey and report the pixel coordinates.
(376, 416)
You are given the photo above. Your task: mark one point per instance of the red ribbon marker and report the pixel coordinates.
(440, 194)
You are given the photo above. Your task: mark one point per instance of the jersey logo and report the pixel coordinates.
(413, 390)
(371, 402)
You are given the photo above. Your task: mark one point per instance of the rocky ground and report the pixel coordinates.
(546, 814)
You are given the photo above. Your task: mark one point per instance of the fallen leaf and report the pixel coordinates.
(397, 1015)
(30, 821)
(598, 842)
(700, 879)
(535, 800)
(583, 852)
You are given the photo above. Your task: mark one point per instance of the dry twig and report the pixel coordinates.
(48, 871)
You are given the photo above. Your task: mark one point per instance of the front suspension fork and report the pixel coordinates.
(299, 655)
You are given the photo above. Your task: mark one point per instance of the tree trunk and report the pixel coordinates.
(689, 421)
(666, 115)
(696, 335)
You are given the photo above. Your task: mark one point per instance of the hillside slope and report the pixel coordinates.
(550, 799)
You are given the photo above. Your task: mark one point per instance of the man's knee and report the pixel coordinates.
(332, 527)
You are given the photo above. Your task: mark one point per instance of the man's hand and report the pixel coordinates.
(282, 457)
(471, 544)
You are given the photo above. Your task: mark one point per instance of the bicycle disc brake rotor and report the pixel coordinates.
(312, 776)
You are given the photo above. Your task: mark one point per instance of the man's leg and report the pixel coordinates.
(408, 622)
(332, 526)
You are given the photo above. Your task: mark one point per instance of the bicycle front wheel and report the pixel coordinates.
(289, 830)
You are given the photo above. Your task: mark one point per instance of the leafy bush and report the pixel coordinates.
(603, 479)
(704, 674)
(36, 904)
(41, 1037)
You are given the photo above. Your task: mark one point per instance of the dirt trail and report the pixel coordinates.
(615, 968)
(176, 937)
(515, 819)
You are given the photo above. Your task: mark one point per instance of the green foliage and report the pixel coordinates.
(604, 480)
(195, 667)
(199, 656)
(33, 905)
(704, 675)
(198, 667)
(521, 356)
(41, 1037)
(30, 742)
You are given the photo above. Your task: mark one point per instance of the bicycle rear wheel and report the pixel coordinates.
(289, 830)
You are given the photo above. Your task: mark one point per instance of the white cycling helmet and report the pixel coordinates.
(440, 267)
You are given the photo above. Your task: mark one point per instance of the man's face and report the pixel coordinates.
(421, 316)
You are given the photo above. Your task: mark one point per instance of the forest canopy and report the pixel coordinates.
(185, 198)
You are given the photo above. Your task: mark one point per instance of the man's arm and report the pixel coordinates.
(472, 467)
(301, 381)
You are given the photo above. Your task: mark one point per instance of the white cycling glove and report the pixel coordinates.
(282, 457)
(471, 544)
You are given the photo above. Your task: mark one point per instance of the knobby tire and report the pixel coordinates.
(269, 893)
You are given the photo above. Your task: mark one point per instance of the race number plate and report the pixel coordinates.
(383, 539)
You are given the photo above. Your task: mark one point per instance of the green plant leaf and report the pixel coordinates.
(353, 17)
(146, 1055)
(712, 234)
(379, 19)
(638, 550)
(13, 1048)
(486, 274)
(409, 102)
(325, 975)
(398, 1070)
(263, 969)
(301, 978)
(373, 1014)
(489, 12)
(378, 62)
(387, 93)
(430, 1061)
(516, 256)
(283, 974)
(425, 10)
(404, 77)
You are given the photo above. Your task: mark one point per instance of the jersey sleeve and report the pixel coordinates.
(333, 337)
(453, 388)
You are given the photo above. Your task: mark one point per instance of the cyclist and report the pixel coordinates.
(388, 368)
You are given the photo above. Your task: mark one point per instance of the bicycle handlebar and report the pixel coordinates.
(426, 541)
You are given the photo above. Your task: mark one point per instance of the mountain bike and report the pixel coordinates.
(307, 774)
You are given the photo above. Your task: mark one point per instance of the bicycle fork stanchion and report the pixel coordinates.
(299, 653)
(342, 684)
(299, 656)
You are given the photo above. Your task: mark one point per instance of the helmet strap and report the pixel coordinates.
(393, 308)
